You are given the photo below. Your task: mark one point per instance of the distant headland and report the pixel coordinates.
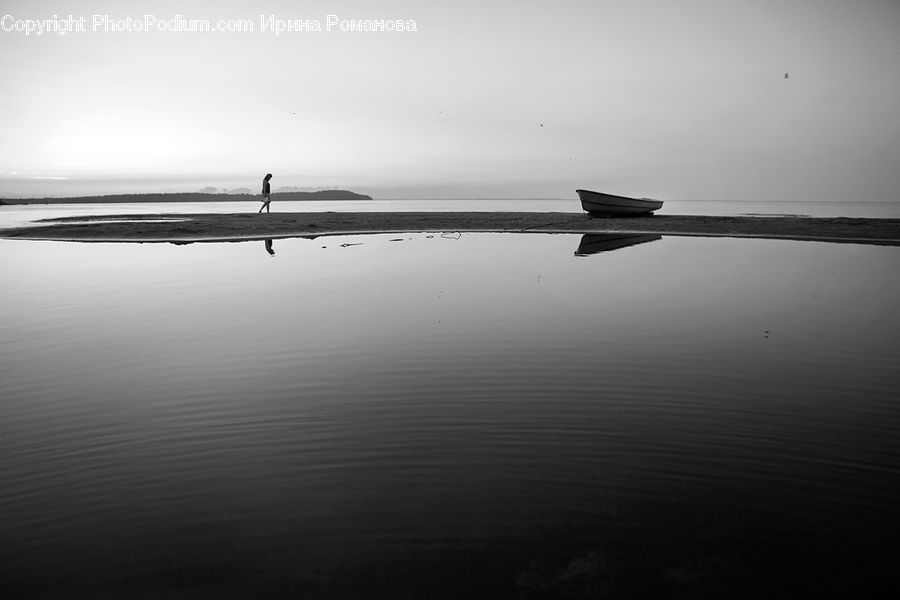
(193, 197)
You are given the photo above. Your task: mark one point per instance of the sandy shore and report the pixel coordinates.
(213, 227)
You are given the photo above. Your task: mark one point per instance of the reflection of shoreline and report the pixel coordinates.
(594, 243)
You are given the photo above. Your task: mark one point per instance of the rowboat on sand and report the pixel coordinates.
(598, 203)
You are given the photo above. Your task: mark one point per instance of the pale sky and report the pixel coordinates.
(675, 99)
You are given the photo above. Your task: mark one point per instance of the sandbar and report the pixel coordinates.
(181, 228)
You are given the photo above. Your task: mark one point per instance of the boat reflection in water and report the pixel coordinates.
(593, 243)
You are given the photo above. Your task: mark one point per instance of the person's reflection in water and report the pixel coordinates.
(269, 247)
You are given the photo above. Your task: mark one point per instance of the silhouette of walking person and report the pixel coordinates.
(265, 193)
(269, 248)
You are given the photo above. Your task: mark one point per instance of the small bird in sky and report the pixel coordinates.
(786, 76)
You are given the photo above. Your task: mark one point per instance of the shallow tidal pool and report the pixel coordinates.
(448, 415)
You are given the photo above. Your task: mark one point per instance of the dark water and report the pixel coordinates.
(457, 416)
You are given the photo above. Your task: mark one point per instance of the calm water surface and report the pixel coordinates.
(427, 415)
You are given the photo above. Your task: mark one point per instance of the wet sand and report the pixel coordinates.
(236, 226)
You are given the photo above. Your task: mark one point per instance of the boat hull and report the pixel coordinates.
(598, 203)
